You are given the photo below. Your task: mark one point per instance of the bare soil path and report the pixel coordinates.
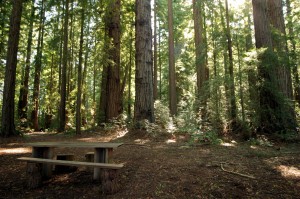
(155, 168)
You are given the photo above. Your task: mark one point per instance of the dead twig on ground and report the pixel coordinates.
(236, 173)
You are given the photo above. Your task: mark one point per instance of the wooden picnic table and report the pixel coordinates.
(102, 150)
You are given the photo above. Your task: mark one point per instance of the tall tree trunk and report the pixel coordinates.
(275, 13)
(23, 98)
(79, 75)
(283, 72)
(113, 89)
(38, 68)
(7, 121)
(62, 107)
(155, 91)
(200, 56)
(293, 59)
(275, 115)
(231, 76)
(172, 73)
(143, 106)
(240, 80)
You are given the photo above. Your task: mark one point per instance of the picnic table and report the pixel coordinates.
(43, 152)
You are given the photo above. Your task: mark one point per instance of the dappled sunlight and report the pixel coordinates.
(19, 150)
(122, 133)
(171, 141)
(142, 141)
(229, 144)
(289, 171)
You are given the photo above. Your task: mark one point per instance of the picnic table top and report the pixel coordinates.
(75, 144)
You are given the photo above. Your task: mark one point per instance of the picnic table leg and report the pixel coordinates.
(44, 152)
(101, 155)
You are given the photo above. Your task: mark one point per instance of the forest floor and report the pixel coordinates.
(161, 167)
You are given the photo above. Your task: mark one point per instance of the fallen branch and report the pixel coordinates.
(232, 172)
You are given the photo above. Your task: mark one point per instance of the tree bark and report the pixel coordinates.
(113, 89)
(23, 98)
(79, 75)
(7, 121)
(155, 91)
(293, 55)
(144, 105)
(231, 76)
(172, 73)
(38, 68)
(63, 88)
(200, 56)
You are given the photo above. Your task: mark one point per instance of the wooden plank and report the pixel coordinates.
(72, 163)
(75, 144)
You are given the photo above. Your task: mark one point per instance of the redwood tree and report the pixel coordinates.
(144, 105)
(8, 123)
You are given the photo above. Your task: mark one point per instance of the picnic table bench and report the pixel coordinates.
(39, 166)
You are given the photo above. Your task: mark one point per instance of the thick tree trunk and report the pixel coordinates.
(63, 88)
(293, 59)
(275, 114)
(113, 89)
(200, 56)
(7, 122)
(144, 106)
(275, 12)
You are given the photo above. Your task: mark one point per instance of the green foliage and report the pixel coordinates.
(209, 137)
(261, 141)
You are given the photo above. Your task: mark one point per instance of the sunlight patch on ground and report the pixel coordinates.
(122, 133)
(229, 144)
(15, 151)
(289, 171)
(141, 141)
(170, 141)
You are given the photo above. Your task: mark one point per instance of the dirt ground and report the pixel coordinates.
(161, 167)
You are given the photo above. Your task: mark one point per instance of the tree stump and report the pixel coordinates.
(89, 157)
(34, 175)
(63, 168)
(109, 181)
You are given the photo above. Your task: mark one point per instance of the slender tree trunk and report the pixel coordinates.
(200, 56)
(79, 80)
(7, 121)
(155, 91)
(130, 78)
(240, 81)
(23, 98)
(38, 68)
(231, 76)
(62, 108)
(172, 73)
(144, 105)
